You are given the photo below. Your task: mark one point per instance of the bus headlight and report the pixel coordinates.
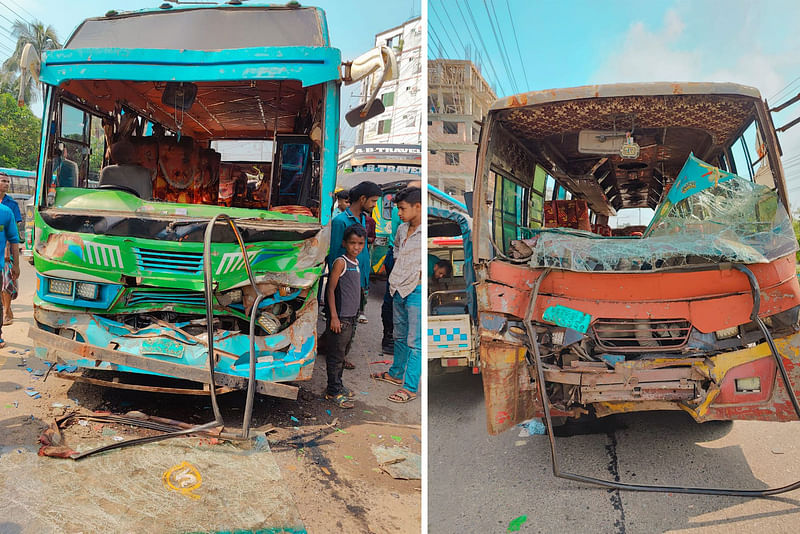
(230, 297)
(60, 287)
(87, 290)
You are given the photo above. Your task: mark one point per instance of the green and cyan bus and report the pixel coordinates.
(158, 125)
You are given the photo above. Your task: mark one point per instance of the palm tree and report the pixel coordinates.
(42, 38)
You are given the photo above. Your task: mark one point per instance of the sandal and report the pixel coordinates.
(349, 365)
(386, 377)
(402, 396)
(349, 392)
(2, 343)
(341, 400)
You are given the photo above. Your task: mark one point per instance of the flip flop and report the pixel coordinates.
(349, 365)
(341, 400)
(402, 396)
(386, 377)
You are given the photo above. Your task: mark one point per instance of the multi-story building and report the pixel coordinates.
(401, 123)
(458, 97)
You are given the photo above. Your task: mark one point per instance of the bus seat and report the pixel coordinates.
(133, 177)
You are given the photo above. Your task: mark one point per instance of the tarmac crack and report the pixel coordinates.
(614, 494)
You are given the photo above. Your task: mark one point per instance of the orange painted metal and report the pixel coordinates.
(711, 300)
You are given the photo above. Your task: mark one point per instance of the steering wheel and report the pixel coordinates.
(119, 187)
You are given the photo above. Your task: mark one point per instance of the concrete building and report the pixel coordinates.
(458, 96)
(401, 123)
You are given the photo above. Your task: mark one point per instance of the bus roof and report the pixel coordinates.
(203, 27)
(533, 98)
(17, 172)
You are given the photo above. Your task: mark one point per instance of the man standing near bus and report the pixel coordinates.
(8, 234)
(406, 289)
(9, 283)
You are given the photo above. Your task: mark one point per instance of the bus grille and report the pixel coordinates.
(174, 296)
(169, 262)
(641, 334)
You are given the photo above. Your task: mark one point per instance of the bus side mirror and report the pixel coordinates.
(29, 62)
(380, 59)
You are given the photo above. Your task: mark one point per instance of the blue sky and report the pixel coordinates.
(352, 24)
(571, 43)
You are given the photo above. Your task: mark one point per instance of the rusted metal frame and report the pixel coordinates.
(623, 375)
(773, 153)
(139, 387)
(545, 400)
(92, 352)
(786, 104)
(481, 184)
(670, 391)
(787, 125)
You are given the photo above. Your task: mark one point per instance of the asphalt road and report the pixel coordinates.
(481, 483)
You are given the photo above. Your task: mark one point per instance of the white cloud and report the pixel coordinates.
(649, 56)
(687, 47)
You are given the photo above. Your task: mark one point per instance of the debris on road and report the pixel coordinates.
(531, 427)
(517, 523)
(398, 462)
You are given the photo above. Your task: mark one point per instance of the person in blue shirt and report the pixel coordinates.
(363, 198)
(9, 285)
(8, 234)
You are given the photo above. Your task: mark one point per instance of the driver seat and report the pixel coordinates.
(133, 177)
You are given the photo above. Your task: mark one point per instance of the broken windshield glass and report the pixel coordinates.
(709, 216)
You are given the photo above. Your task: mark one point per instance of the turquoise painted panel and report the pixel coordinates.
(310, 65)
(568, 318)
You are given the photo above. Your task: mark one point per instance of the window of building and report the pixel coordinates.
(449, 127)
(388, 99)
(451, 158)
(384, 126)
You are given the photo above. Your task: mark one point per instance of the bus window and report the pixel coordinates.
(510, 210)
(743, 153)
(73, 144)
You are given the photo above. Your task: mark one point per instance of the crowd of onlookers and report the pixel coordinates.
(347, 287)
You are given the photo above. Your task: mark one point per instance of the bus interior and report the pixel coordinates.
(248, 144)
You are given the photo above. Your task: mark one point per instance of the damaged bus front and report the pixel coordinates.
(680, 314)
(157, 124)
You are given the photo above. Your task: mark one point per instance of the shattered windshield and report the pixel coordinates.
(709, 216)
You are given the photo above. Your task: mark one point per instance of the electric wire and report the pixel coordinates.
(519, 51)
(489, 62)
(432, 9)
(33, 17)
(501, 46)
(21, 18)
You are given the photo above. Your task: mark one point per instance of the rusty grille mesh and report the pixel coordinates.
(641, 334)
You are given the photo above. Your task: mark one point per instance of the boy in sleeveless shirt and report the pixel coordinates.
(343, 299)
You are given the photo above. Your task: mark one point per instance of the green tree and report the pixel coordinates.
(42, 38)
(20, 131)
